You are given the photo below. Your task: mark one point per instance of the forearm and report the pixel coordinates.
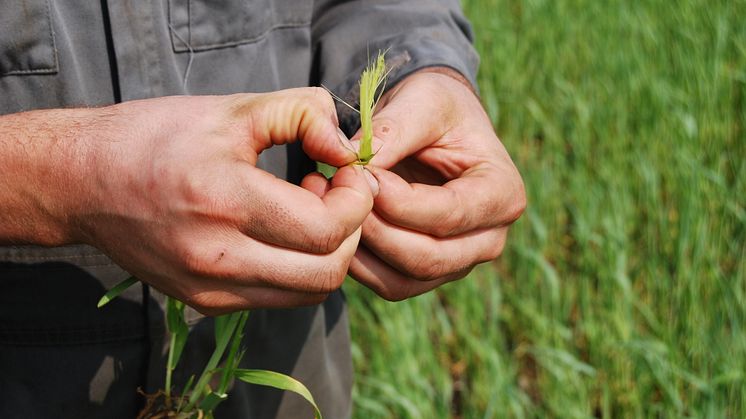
(42, 157)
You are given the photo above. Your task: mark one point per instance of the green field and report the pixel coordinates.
(622, 292)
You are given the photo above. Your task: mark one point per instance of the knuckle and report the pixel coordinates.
(496, 250)
(451, 220)
(493, 248)
(321, 96)
(518, 203)
(393, 210)
(328, 279)
(450, 224)
(442, 230)
(371, 231)
(498, 245)
(457, 275)
(426, 267)
(328, 238)
(202, 195)
(316, 299)
(392, 294)
(403, 291)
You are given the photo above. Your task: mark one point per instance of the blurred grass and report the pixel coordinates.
(622, 292)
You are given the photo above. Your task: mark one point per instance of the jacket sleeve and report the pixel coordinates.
(415, 33)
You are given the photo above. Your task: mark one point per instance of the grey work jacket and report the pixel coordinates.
(61, 357)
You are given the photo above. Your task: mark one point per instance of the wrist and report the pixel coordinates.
(449, 72)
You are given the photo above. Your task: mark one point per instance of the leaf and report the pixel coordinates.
(234, 354)
(221, 324)
(178, 328)
(187, 387)
(277, 380)
(211, 401)
(224, 327)
(174, 314)
(326, 170)
(118, 289)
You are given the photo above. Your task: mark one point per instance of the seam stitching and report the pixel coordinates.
(242, 41)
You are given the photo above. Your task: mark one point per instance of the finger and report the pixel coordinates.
(316, 183)
(387, 282)
(428, 258)
(236, 260)
(320, 185)
(476, 200)
(221, 299)
(300, 271)
(307, 114)
(277, 212)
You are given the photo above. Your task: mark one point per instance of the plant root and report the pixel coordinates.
(160, 406)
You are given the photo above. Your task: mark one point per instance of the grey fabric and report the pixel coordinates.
(415, 34)
(59, 356)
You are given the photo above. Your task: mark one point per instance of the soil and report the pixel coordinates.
(159, 406)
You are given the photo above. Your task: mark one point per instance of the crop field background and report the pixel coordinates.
(622, 291)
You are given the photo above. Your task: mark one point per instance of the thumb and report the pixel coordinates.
(307, 114)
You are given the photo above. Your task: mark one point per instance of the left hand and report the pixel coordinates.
(448, 188)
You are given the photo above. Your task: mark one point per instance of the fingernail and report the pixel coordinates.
(345, 141)
(372, 182)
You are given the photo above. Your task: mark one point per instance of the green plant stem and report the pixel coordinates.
(169, 370)
(231, 362)
(212, 364)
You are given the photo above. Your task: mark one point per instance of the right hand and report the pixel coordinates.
(174, 197)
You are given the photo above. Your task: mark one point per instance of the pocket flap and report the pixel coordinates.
(26, 38)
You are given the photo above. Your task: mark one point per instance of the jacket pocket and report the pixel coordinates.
(26, 38)
(200, 25)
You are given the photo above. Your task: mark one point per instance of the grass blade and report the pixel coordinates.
(280, 381)
(187, 387)
(226, 325)
(234, 354)
(211, 401)
(118, 289)
(178, 328)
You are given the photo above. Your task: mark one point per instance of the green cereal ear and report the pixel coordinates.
(372, 84)
(373, 77)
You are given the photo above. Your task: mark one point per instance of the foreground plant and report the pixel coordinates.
(197, 399)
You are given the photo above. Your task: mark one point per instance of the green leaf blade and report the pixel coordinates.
(225, 326)
(279, 381)
(118, 289)
(178, 328)
(211, 401)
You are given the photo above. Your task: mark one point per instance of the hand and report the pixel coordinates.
(174, 197)
(448, 189)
